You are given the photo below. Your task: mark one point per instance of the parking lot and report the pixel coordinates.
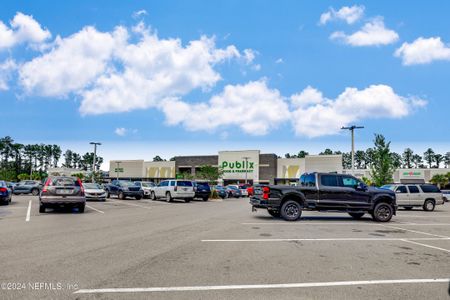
(219, 249)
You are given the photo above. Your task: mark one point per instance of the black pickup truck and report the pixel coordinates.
(325, 192)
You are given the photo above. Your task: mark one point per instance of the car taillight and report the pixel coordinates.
(46, 184)
(3, 190)
(81, 186)
(266, 192)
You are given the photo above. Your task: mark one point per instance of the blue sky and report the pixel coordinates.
(195, 77)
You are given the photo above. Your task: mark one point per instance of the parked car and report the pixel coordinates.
(221, 191)
(233, 191)
(11, 185)
(146, 187)
(243, 188)
(202, 190)
(94, 191)
(326, 192)
(446, 194)
(174, 189)
(28, 187)
(62, 191)
(123, 189)
(5, 193)
(426, 196)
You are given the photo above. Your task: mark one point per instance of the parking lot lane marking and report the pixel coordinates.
(312, 223)
(328, 239)
(428, 246)
(420, 216)
(97, 210)
(259, 286)
(131, 204)
(414, 231)
(27, 219)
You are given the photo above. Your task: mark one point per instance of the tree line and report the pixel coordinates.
(20, 161)
(408, 159)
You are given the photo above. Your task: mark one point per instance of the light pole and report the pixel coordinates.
(352, 129)
(246, 158)
(117, 169)
(95, 156)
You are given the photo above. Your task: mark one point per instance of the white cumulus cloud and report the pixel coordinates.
(349, 14)
(72, 63)
(253, 107)
(314, 115)
(6, 69)
(373, 33)
(120, 131)
(23, 29)
(423, 51)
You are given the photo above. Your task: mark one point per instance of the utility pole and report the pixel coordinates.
(95, 156)
(117, 169)
(352, 129)
(246, 158)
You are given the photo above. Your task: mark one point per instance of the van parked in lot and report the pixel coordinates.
(174, 189)
(426, 196)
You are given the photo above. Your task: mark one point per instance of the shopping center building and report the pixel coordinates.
(253, 167)
(238, 167)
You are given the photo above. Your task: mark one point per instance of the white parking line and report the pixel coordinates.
(328, 239)
(414, 231)
(27, 219)
(428, 246)
(420, 216)
(260, 286)
(93, 208)
(342, 223)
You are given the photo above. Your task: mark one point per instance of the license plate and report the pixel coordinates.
(64, 192)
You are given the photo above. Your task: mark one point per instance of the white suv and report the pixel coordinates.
(174, 189)
(409, 195)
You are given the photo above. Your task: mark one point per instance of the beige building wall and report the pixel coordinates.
(290, 167)
(131, 168)
(323, 163)
(159, 169)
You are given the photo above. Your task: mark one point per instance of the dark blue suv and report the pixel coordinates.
(202, 190)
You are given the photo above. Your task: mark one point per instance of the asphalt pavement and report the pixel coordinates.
(143, 249)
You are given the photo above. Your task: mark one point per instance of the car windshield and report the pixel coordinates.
(127, 183)
(232, 187)
(63, 181)
(148, 184)
(92, 186)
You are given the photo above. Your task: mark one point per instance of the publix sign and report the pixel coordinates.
(412, 174)
(237, 166)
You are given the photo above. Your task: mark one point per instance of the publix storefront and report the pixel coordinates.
(238, 166)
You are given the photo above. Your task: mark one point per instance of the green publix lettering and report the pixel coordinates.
(237, 165)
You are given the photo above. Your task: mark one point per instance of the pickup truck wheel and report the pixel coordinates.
(429, 205)
(153, 196)
(121, 196)
(168, 197)
(356, 216)
(291, 210)
(382, 212)
(274, 213)
(34, 192)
